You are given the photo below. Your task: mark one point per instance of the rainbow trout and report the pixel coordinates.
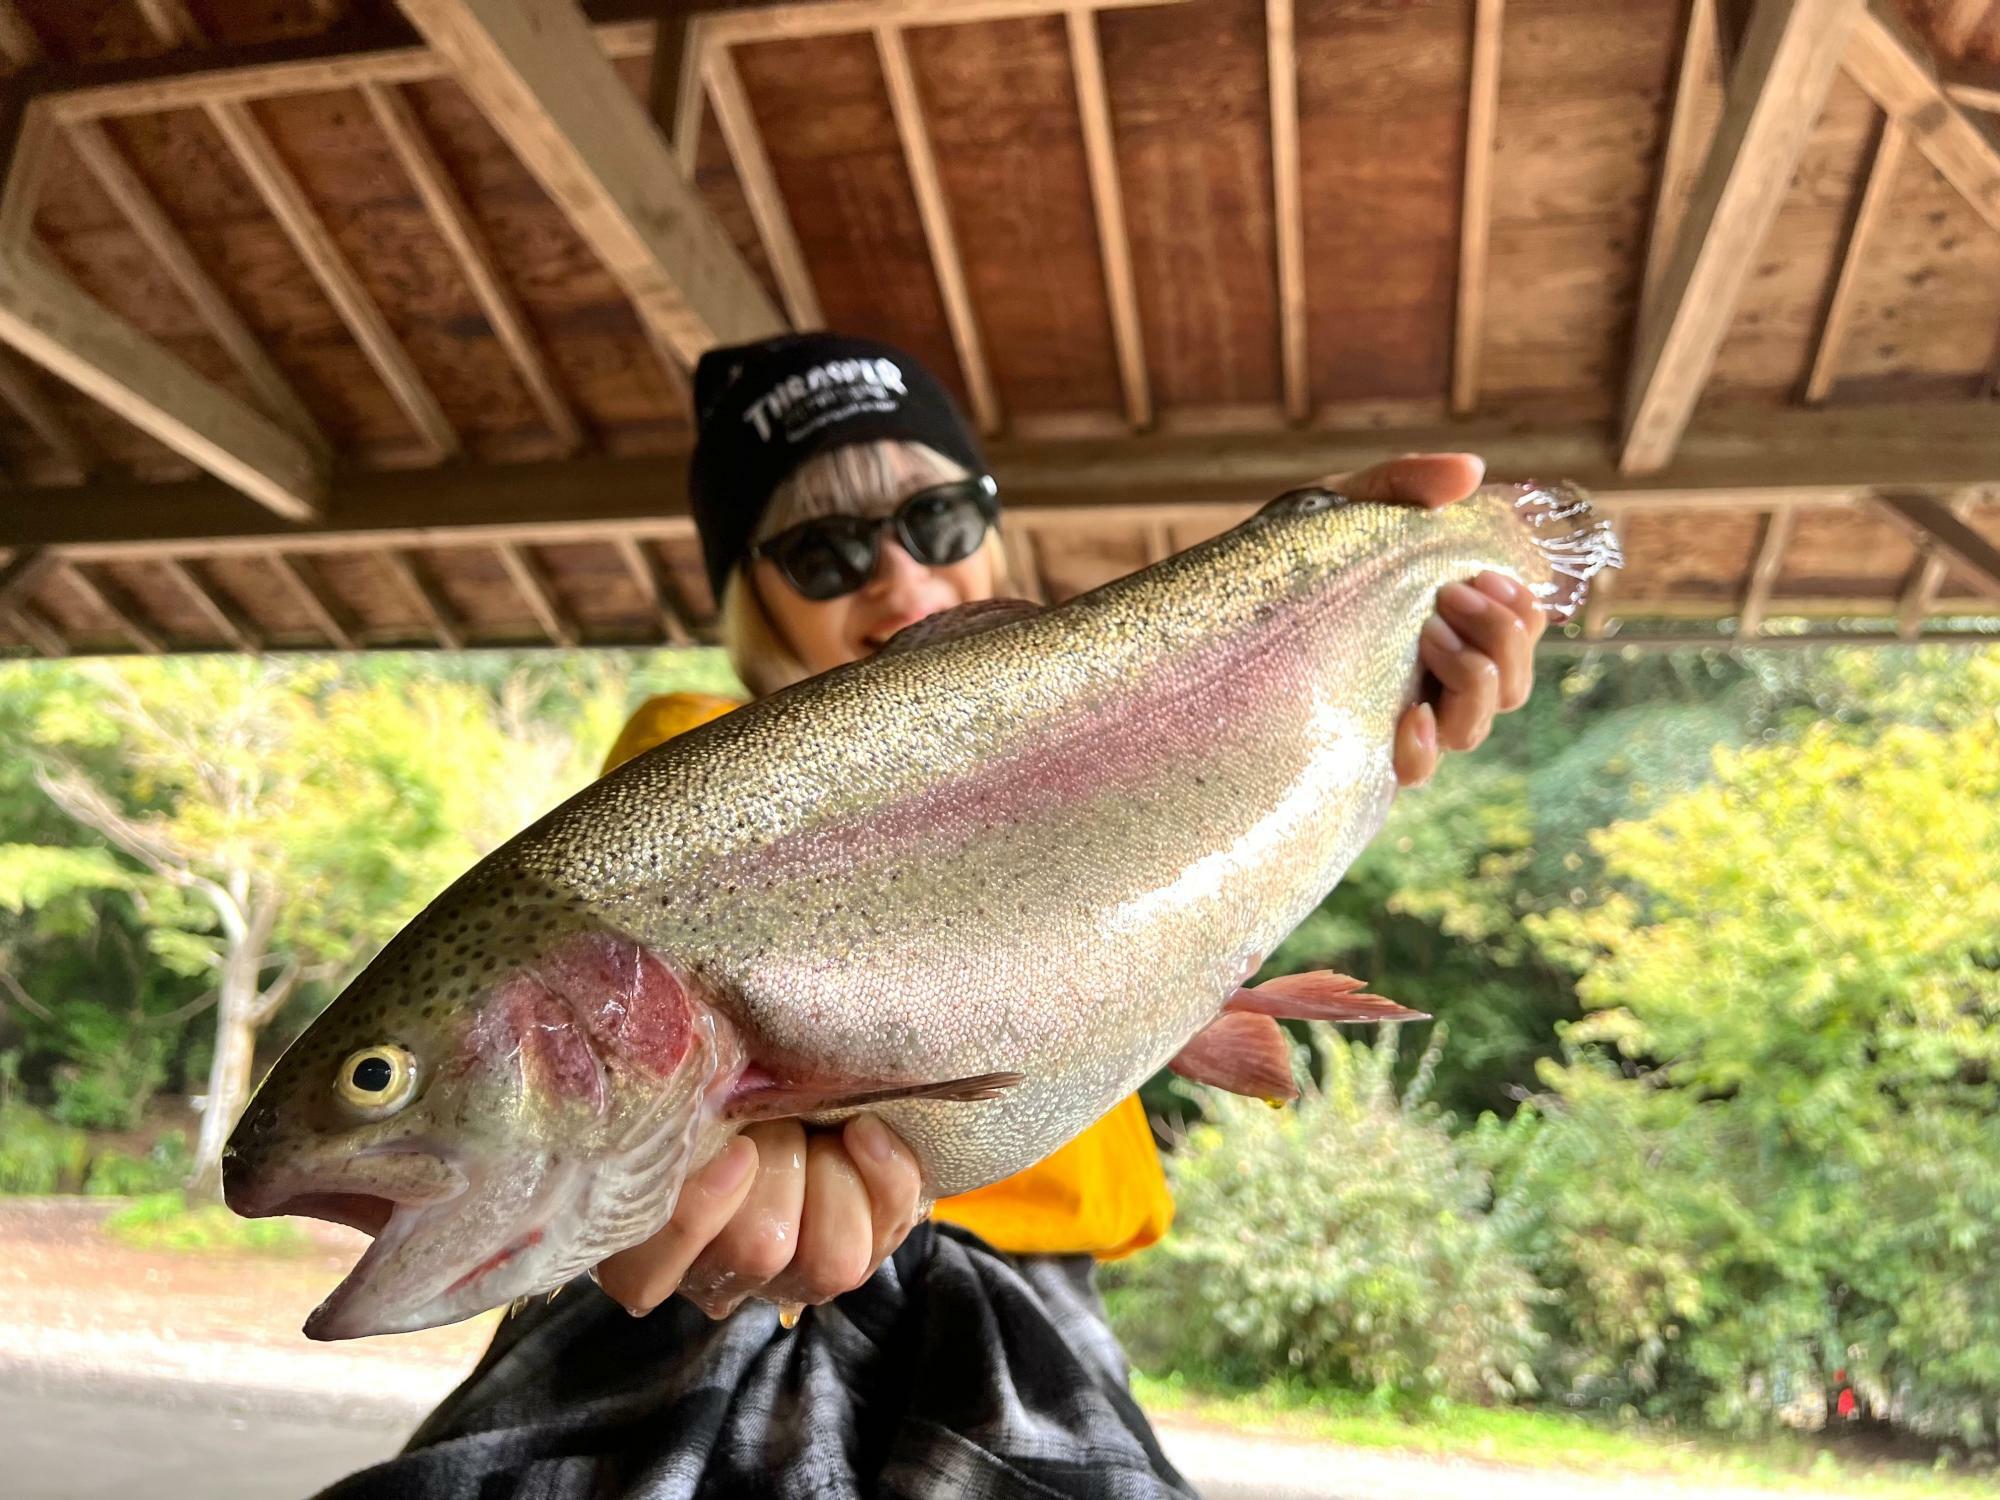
(983, 884)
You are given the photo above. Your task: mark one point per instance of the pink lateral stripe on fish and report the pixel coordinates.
(982, 884)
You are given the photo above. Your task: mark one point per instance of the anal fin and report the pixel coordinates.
(1246, 1054)
(1321, 995)
(758, 1096)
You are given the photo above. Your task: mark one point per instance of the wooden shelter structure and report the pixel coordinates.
(351, 323)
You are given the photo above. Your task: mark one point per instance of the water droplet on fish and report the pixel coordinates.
(788, 1314)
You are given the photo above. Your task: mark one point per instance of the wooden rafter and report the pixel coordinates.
(658, 588)
(170, 22)
(1780, 84)
(19, 390)
(468, 246)
(1891, 64)
(1874, 204)
(1738, 459)
(310, 591)
(18, 43)
(1974, 85)
(422, 590)
(760, 190)
(674, 93)
(122, 185)
(1934, 527)
(542, 78)
(1289, 207)
(1959, 20)
(946, 262)
(46, 317)
(109, 599)
(230, 622)
(31, 626)
(1919, 590)
(24, 571)
(1108, 200)
(1757, 589)
(309, 235)
(1680, 161)
(1482, 111)
(538, 593)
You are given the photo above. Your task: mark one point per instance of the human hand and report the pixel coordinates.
(1479, 648)
(783, 1213)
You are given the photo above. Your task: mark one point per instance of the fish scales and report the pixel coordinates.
(1051, 846)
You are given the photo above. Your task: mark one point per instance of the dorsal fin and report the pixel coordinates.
(953, 624)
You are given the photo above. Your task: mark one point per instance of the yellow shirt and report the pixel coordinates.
(1103, 1194)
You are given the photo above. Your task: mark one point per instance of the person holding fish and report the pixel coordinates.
(958, 1349)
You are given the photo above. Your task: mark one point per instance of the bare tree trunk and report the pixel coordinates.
(240, 1011)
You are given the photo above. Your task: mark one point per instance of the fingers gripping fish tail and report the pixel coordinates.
(1572, 538)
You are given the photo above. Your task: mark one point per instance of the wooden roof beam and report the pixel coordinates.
(1920, 588)
(309, 235)
(310, 591)
(946, 262)
(468, 246)
(1764, 573)
(122, 185)
(1933, 526)
(47, 317)
(760, 190)
(1974, 85)
(1891, 64)
(1289, 221)
(1680, 161)
(1735, 459)
(1482, 112)
(18, 43)
(1875, 196)
(1779, 87)
(533, 585)
(416, 581)
(230, 622)
(657, 586)
(105, 596)
(18, 390)
(36, 630)
(543, 80)
(1108, 200)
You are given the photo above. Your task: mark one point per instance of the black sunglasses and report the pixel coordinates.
(836, 555)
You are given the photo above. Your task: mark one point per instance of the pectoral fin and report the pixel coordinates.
(758, 1096)
(1246, 1054)
(1321, 995)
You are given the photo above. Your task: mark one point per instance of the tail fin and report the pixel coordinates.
(1577, 543)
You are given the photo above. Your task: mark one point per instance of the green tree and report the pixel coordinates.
(1772, 1151)
(271, 824)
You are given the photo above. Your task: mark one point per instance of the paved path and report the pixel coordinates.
(125, 1374)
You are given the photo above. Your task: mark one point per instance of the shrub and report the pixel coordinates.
(1342, 1241)
(38, 1155)
(167, 1221)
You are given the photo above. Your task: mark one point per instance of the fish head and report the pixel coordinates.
(510, 1092)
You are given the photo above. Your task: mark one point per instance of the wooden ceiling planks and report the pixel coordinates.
(1005, 126)
(1382, 122)
(1190, 111)
(1187, 131)
(1583, 96)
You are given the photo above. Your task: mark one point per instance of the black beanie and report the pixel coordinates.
(763, 409)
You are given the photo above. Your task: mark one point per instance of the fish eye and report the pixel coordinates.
(377, 1080)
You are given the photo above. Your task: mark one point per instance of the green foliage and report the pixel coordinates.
(117, 1174)
(1772, 1152)
(167, 1221)
(1343, 1241)
(37, 1155)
